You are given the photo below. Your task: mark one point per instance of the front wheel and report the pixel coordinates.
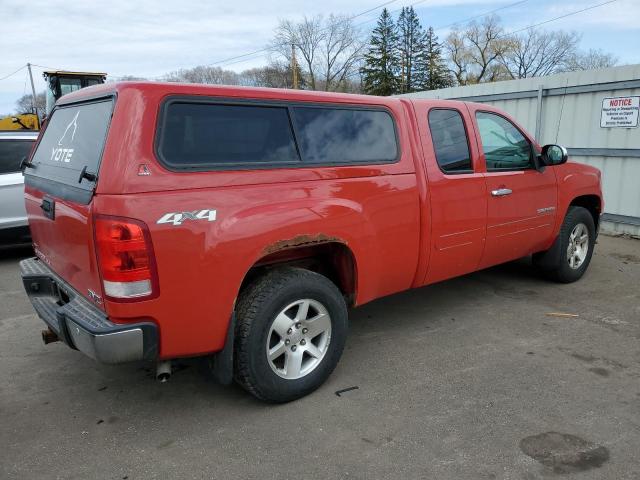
(569, 257)
(290, 332)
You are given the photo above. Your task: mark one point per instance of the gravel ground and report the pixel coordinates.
(467, 379)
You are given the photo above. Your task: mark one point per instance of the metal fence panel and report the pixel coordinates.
(570, 115)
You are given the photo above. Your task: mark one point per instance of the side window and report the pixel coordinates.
(11, 153)
(345, 135)
(504, 147)
(202, 135)
(450, 141)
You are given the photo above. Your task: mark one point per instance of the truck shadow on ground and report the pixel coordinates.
(426, 307)
(517, 280)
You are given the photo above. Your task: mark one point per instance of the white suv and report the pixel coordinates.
(14, 145)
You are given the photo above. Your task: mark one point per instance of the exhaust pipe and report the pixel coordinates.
(163, 371)
(49, 336)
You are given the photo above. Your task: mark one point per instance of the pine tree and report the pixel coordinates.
(412, 50)
(380, 71)
(436, 74)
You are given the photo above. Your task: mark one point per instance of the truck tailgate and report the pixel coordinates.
(59, 190)
(65, 242)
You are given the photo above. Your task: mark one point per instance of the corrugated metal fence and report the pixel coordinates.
(566, 109)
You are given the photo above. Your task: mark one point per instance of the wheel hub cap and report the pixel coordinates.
(578, 246)
(296, 336)
(298, 339)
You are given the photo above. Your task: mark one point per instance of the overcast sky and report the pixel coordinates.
(149, 38)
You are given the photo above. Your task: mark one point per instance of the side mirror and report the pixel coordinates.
(554, 155)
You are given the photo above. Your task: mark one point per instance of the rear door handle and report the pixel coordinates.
(48, 206)
(501, 192)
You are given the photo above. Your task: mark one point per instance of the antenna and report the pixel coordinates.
(564, 95)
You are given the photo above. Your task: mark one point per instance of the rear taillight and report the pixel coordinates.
(125, 258)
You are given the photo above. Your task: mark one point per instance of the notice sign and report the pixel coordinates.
(620, 112)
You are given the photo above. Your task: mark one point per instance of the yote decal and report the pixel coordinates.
(64, 154)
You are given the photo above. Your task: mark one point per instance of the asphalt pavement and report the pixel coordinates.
(468, 379)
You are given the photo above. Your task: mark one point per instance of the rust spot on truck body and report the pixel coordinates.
(299, 241)
(321, 253)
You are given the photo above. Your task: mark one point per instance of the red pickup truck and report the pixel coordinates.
(240, 224)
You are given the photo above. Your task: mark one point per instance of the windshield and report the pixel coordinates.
(73, 141)
(68, 85)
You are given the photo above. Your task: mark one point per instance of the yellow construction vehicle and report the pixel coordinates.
(60, 82)
(24, 121)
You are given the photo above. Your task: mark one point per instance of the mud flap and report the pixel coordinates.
(220, 365)
(550, 259)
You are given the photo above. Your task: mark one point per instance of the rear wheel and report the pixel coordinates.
(569, 257)
(290, 333)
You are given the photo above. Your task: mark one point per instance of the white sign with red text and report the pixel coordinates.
(620, 112)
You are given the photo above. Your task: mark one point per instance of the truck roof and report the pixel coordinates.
(174, 88)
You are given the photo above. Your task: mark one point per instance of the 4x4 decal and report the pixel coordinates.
(178, 217)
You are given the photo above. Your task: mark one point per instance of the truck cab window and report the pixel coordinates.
(504, 147)
(345, 135)
(450, 141)
(210, 136)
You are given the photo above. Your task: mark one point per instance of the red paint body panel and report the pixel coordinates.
(457, 204)
(66, 244)
(406, 223)
(524, 221)
(515, 226)
(575, 180)
(201, 267)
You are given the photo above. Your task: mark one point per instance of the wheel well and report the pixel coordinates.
(591, 203)
(334, 260)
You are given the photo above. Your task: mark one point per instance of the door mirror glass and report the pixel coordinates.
(554, 155)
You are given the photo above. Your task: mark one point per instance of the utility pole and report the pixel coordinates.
(33, 95)
(402, 84)
(294, 67)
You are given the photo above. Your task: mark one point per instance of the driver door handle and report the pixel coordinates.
(501, 192)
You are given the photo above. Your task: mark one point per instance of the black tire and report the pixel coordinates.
(554, 262)
(256, 310)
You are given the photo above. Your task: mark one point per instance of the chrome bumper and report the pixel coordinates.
(80, 324)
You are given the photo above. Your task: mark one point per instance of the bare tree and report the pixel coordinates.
(474, 51)
(130, 78)
(590, 60)
(458, 55)
(307, 37)
(341, 51)
(276, 74)
(204, 74)
(330, 49)
(536, 53)
(25, 105)
(486, 42)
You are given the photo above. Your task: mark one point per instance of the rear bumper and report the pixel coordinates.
(80, 324)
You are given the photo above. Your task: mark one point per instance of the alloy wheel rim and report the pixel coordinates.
(298, 339)
(578, 246)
